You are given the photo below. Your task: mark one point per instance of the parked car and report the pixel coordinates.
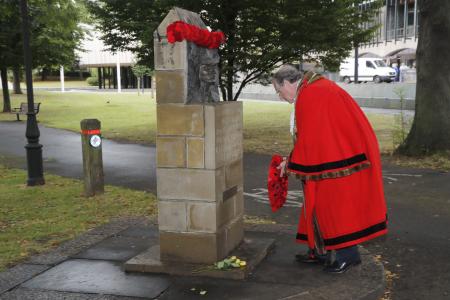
(369, 69)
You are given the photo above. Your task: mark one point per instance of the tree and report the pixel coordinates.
(10, 44)
(260, 33)
(6, 99)
(55, 34)
(58, 32)
(430, 130)
(140, 71)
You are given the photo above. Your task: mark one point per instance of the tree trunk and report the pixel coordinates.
(16, 80)
(430, 131)
(44, 74)
(138, 85)
(229, 83)
(6, 99)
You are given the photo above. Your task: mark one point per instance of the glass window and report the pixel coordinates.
(370, 65)
(380, 63)
(411, 18)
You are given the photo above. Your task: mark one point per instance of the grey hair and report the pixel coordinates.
(286, 72)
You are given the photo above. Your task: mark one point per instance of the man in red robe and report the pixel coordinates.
(337, 158)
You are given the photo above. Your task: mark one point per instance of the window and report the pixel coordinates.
(380, 63)
(370, 65)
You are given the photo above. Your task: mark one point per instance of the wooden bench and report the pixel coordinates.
(23, 109)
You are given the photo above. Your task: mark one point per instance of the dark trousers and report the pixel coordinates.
(349, 254)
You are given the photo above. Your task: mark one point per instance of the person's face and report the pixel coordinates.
(287, 91)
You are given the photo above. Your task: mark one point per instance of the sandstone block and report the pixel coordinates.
(223, 134)
(180, 119)
(171, 87)
(190, 184)
(230, 120)
(179, 14)
(202, 216)
(172, 215)
(170, 56)
(195, 153)
(234, 174)
(192, 247)
(234, 234)
(225, 211)
(239, 203)
(171, 152)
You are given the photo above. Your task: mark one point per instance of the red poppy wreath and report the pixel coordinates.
(179, 31)
(277, 186)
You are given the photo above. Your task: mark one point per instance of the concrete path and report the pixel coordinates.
(415, 251)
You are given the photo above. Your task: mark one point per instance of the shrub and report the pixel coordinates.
(92, 81)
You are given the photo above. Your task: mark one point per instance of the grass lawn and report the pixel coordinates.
(125, 116)
(130, 117)
(57, 84)
(33, 219)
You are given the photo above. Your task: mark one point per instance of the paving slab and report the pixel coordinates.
(33, 294)
(219, 289)
(27, 294)
(98, 277)
(65, 250)
(18, 274)
(117, 248)
(119, 224)
(142, 231)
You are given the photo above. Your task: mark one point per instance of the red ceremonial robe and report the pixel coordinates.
(336, 154)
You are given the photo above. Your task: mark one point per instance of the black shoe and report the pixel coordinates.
(338, 268)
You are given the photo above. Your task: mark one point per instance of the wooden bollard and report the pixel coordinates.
(92, 157)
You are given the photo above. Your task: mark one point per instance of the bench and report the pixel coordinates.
(23, 109)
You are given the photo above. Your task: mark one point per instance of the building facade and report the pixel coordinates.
(396, 37)
(113, 69)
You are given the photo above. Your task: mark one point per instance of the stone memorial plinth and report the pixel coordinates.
(199, 160)
(199, 180)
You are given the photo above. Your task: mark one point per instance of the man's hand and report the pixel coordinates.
(282, 167)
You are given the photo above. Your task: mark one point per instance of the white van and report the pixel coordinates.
(369, 69)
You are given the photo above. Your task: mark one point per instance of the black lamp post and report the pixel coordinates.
(33, 148)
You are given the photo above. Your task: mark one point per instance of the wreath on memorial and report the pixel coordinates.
(179, 31)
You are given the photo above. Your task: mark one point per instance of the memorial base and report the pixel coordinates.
(252, 250)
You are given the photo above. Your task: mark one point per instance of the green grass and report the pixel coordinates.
(34, 219)
(57, 84)
(437, 161)
(125, 116)
(130, 117)
(266, 128)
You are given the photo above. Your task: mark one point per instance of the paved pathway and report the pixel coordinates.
(89, 267)
(127, 165)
